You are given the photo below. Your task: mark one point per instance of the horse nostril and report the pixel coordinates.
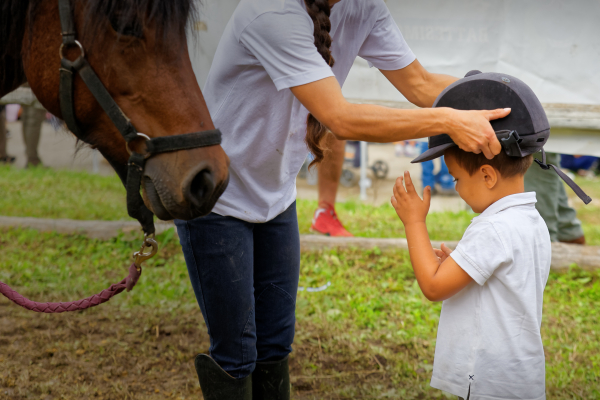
(201, 188)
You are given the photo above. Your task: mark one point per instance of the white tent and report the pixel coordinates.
(552, 45)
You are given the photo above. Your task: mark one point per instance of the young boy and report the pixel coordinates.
(489, 344)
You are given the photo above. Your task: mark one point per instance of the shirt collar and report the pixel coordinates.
(514, 200)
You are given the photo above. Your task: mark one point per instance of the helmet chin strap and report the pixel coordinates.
(578, 191)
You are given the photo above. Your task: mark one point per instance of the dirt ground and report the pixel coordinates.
(104, 353)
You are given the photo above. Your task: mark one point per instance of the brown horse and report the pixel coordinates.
(138, 48)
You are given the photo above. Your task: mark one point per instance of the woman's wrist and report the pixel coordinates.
(446, 121)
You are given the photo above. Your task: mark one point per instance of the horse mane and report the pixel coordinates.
(169, 17)
(13, 15)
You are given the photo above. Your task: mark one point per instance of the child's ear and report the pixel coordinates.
(490, 176)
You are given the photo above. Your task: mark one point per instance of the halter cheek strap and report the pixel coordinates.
(578, 191)
(135, 167)
(137, 162)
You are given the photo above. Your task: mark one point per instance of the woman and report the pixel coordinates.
(274, 62)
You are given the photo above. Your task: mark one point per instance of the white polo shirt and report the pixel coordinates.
(266, 49)
(489, 333)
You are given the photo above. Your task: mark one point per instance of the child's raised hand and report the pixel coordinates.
(407, 203)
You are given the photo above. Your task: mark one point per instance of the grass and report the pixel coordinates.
(370, 335)
(382, 222)
(45, 193)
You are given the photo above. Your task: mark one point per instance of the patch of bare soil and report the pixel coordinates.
(99, 354)
(105, 353)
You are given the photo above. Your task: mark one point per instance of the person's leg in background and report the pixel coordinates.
(276, 274)
(32, 118)
(427, 176)
(325, 220)
(330, 170)
(578, 164)
(2, 135)
(569, 227)
(549, 192)
(444, 179)
(4, 157)
(219, 254)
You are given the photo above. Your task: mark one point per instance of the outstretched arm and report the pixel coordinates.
(470, 130)
(418, 85)
(438, 275)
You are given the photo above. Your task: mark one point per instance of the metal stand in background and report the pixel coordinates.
(365, 182)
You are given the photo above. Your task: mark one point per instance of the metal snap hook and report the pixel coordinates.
(140, 257)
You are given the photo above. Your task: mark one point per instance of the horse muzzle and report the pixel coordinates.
(182, 193)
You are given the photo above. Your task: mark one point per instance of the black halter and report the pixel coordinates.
(135, 205)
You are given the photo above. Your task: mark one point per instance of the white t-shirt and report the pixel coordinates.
(267, 48)
(489, 333)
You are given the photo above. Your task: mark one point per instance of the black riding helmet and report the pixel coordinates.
(523, 132)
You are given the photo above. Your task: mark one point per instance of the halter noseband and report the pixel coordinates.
(136, 164)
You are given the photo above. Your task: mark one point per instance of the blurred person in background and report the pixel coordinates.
(32, 119)
(407, 148)
(580, 165)
(325, 220)
(4, 158)
(32, 116)
(553, 203)
(443, 179)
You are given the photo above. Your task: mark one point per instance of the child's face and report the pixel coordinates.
(473, 189)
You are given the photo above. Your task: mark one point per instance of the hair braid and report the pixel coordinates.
(319, 11)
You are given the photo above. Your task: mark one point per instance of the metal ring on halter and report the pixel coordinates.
(143, 136)
(62, 47)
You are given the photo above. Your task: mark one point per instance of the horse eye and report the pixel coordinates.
(129, 28)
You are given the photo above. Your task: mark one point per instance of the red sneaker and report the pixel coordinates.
(326, 222)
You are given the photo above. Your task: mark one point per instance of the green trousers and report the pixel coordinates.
(32, 118)
(552, 201)
(2, 133)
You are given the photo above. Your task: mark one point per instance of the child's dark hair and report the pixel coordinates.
(508, 167)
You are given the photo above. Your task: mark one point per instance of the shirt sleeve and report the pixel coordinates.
(385, 47)
(481, 251)
(283, 43)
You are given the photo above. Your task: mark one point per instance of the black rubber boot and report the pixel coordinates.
(271, 380)
(217, 384)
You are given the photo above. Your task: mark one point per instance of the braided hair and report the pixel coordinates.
(319, 11)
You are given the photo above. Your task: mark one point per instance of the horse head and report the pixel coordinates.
(138, 49)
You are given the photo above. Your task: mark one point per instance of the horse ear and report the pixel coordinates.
(12, 74)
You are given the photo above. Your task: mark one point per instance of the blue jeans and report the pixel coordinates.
(575, 164)
(443, 177)
(245, 277)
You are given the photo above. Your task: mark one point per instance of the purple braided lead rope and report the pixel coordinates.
(55, 308)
